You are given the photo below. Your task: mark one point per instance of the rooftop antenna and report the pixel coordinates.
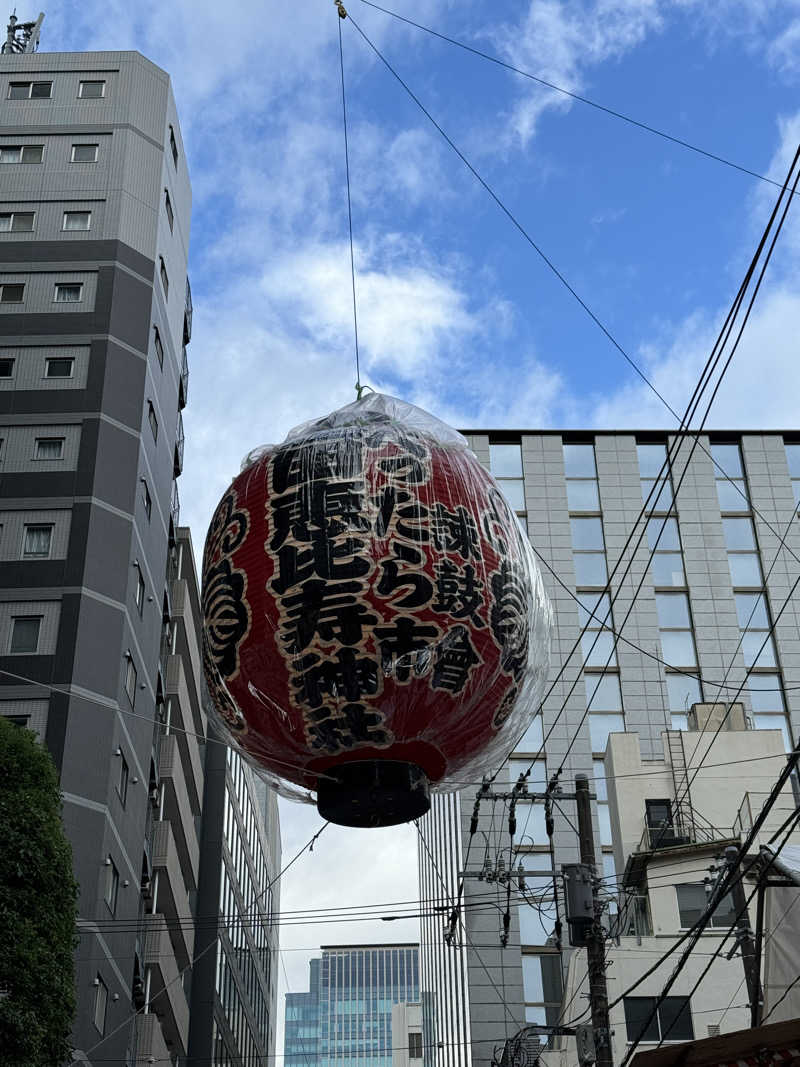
(22, 37)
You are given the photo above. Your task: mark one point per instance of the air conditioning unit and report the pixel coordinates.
(718, 716)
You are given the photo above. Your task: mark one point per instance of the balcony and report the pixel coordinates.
(177, 463)
(167, 998)
(183, 385)
(677, 827)
(178, 810)
(185, 717)
(187, 315)
(750, 808)
(174, 509)
(150, 1044)
(172, 900)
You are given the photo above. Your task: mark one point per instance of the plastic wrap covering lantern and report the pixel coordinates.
(374, 620)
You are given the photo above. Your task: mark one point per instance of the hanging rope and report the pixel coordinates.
(342, 16)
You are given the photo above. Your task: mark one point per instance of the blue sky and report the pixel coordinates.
(457, 312)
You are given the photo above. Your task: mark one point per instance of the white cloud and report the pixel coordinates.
(558, 40)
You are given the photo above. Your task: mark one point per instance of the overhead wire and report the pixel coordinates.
(722, 887)
(702, 385)
(614, 113)
(309, 845)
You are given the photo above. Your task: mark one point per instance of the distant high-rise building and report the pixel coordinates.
(95, 654)
(349, 1017)
(301, 1030)
(718, 555)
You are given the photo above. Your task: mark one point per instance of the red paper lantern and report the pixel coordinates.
(374, 620)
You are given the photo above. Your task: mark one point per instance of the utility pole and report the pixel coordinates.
(744, 938)
(594, 940)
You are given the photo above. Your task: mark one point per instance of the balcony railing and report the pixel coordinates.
(183, 387)
(175, 507)
(187, 315)
(177, 464)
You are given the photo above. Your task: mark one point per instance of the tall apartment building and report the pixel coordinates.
(94, 317)
(717, 580)
(347, 1014)
(235, 976)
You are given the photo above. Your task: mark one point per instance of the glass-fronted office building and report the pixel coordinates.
(346, 1016)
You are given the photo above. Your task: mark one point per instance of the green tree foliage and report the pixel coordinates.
(37, 907)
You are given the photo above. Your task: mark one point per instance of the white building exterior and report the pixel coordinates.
(407, 1041)
(710, 800)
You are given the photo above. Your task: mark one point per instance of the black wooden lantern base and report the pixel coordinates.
(373, 793)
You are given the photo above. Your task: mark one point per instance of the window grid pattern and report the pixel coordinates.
(244, 975)
(358, 987)
(600, 669)
(764, 683)
(505, 463)
(676, 630)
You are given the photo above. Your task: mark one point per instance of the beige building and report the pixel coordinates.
(407, 1035)
(670, 821)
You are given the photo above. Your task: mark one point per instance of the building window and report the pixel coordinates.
(173, 146)
(12, 293)
(151, 418)
(112, 885)
(6, 368)
(16, 221)
(21, 153)
(505, 463)
(534, 821)
(139, 589)
(148, 502)
(130, 680)
(168, 208)
(68, 292)
(541, 981)
(675, 629)
(37, 541)
(84, 153)
(671, 1022)
(415, 1046)
(164, 277)
(91, 90)
(769, 709)
(654, 477)
(48, 448)
(30, 90)
(793, 461)
(25, 634)
(605, 716)
(100, 1004)
(664, 542)
(729, 473)
(693, 901)
(59, 367)
(122, 781)
(683, 690)
(77, 220)
(597, 638)
(158, 346)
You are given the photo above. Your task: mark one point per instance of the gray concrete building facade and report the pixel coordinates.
(95, 208)
(718, 579)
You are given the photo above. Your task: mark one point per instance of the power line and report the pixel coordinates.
(212, 944)
(647, 127)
